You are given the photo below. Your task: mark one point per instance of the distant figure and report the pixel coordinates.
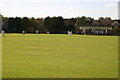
(47, 32)
(23, 32)
(70, 33)
(37, 31)
(3, 32)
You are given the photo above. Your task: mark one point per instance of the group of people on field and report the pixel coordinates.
(37, 32)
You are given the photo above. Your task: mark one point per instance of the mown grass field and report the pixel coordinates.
(59, 56)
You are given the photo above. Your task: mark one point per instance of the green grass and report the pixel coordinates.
(59, 56)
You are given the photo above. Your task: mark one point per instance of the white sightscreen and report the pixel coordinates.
(119, 10)
(0, 47)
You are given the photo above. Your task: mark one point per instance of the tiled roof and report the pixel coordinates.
(68, 21)
(102, 22)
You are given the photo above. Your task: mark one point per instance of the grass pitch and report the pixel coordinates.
(59, 56)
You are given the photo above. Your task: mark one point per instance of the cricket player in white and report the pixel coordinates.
(3, 32)
(70, 33)
(37, 31)
(47, 32)
(23, 32)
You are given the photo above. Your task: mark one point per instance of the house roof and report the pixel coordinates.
(68, 21)
(102, 22)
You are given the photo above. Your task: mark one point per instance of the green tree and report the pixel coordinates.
(88, 21)
(83, 21)
(47, 23)
(70, 27)
(107, 18)
(4, 23)
(116, 27)
(11, 24)
(77, 24)
(60, 24)
(33, 25)
(18, 24)
(54, 24)
(101, 18)
(25, 24)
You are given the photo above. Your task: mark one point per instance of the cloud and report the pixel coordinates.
(111, 5)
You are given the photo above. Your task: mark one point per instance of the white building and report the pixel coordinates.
(119, 10)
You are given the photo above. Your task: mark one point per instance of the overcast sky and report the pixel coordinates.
(65, 8)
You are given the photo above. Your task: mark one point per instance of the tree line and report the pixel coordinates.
(17, 24)
(49, 24)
